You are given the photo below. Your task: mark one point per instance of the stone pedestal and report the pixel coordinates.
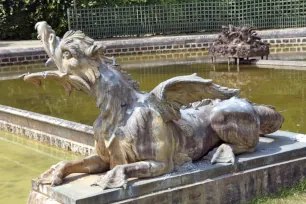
(279, 160)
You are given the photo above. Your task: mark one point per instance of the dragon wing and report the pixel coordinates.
(169, 96)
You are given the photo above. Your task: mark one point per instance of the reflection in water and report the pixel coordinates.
(21, 160)
(285, 89)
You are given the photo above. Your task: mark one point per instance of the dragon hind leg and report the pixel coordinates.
(239, 132)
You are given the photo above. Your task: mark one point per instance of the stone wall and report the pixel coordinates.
(22, 56)
(148, 60)
(279, 40)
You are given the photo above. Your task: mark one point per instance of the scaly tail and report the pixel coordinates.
(270, 119)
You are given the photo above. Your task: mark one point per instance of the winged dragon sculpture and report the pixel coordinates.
(141, 134)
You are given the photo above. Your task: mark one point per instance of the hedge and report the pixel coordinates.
(18, 17)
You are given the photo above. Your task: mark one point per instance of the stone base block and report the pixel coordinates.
(279, 161)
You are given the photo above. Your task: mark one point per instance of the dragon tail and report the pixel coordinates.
(270, 119)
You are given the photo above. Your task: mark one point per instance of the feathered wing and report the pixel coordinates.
(169, 96)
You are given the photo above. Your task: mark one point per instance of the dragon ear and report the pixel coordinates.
(94, 51)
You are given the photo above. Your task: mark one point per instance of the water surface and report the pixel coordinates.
(284, 89)
(22, 160)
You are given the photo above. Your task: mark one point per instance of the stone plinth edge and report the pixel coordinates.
(239, 187)
(277, 149)
(38, 198)
(232, 188)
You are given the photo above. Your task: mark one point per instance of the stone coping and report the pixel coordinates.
(278, 147)
(282, 33)
(11, 52)
(49, 139)
(67, 135)
(47, 119)
(185, 39)
(279, 63)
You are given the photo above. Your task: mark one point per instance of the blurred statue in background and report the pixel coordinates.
(238, 43)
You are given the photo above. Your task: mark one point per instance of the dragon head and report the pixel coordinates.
(76, 56)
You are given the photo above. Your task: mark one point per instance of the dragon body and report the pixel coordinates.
(141, 134)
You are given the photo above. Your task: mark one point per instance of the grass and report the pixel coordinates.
(295, 195)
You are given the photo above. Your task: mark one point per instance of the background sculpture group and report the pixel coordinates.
(238, 43)
(149, 134)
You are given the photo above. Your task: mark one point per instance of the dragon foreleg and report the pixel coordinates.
(117, 177)
(56, 174)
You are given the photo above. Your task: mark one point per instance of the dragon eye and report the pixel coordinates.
(67, 55)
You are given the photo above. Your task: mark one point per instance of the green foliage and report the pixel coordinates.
(114, 3)
(19, 17)
(285, 195)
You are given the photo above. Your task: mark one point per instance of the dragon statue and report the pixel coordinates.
(238, 43)
(141, 135)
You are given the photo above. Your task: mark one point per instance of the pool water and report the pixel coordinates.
(21, 160)
(284, 89)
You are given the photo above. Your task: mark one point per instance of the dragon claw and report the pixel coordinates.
(114, 178)
(53, 176)
(223, 154)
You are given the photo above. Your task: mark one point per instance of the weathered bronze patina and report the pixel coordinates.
(238, 43)
(141, 134)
